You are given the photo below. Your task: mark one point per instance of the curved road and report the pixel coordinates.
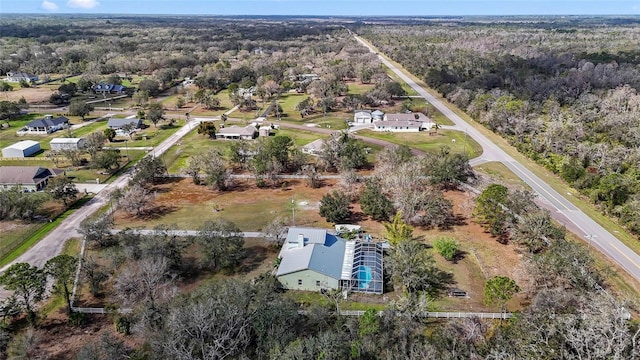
(561, 208)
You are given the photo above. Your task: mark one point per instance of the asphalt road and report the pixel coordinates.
(561, 209)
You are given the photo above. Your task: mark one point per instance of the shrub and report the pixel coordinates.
(447, 247)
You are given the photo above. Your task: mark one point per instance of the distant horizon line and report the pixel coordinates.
(325, 15)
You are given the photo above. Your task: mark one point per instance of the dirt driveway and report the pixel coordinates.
(32, 95)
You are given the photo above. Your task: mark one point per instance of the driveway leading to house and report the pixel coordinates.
(561, 209)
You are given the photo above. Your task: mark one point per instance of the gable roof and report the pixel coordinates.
(321, 252)
(16, 175)
(23, 145)
(48, 122)
(115, 122)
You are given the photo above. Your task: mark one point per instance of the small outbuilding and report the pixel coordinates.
(67, 144)
(21, 149)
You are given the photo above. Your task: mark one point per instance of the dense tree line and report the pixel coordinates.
(564, 93)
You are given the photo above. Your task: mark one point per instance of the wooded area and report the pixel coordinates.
(563, 91)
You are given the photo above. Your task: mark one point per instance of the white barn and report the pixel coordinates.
(21, 149)
(362, 117)
(67, 144)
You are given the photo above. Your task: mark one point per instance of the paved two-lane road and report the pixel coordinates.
(561, 208)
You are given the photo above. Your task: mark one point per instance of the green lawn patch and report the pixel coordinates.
(191, 144)
(430, 143)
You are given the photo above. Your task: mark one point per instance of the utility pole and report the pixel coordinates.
(293, 211)
(465, 141)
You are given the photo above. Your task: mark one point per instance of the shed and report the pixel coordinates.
(67, 144)
(21, 149)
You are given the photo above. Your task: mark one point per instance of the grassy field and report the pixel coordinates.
(193, 143)
(359, 88)
(423, 141)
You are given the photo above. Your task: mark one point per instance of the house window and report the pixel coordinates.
(317, 282)
(299, 282)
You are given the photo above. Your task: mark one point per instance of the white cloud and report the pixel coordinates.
(48, 5)
(85, 4)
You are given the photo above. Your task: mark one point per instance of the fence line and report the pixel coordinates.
(85, 310)
(442, 314)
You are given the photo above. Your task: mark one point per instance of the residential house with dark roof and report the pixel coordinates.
(27, 178)
(46, 126)
(103, 88)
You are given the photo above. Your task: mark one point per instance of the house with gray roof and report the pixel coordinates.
(420, 117)
(27, 178)
(397, 126)
(313, 148)
(116, 124)
(236, 132)
(314, 259)
(47, 125)
(17, 76)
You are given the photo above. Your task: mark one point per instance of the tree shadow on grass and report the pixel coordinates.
(157, 212)
(255, 256)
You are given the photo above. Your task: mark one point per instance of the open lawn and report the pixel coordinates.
(288, 102)
(301, 138)
(358, 87)
(430, 143)
(193, 143)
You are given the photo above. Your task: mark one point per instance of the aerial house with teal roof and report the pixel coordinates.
(314, 259)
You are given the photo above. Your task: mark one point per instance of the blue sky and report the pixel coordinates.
(328, 7)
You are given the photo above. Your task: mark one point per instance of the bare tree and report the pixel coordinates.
(148, 280)
(211, 324)
(276, 231)
(136, 199)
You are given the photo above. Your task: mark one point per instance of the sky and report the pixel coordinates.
(327, 7)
